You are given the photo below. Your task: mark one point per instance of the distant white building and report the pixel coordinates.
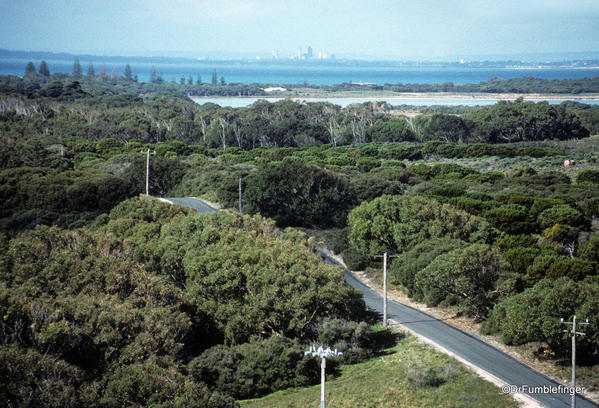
(274, 89)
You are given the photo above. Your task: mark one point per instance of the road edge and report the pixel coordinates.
(524, 400)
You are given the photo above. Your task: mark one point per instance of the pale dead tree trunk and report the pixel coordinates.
(570, 248)
(333, 131)
(264, 113)
(410, 123)
(237, 133)
(222, 133)
(203, 127)
(357, 129)
(87, 114)
(263, 140)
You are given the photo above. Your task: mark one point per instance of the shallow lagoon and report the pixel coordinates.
(239, 102)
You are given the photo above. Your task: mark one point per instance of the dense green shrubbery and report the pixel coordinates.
(262, 366)
(403, 269)
(365, 188)
(534, 315)
(518, 121)
(466, 276)
(297, 194)
(390, 130)
(255, 368)
(588, 176)
(511, 218)
(398, 223)
(113, 314)
(561, 214)
(357, 341)
(32, 196)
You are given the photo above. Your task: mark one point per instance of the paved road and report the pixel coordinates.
(199, 205)
(467, 347)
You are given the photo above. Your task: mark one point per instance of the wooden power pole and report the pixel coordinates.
(573, 334)
(148, 174)
(239, 195)
(385, 256)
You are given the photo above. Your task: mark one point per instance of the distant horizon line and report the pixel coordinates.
(230, 56)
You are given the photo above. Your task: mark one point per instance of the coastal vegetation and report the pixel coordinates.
(148, 304)
(108, 297)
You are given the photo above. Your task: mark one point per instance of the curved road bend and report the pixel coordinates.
(195, 203)
(467, 347)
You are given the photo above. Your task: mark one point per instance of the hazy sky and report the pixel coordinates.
(402, 28)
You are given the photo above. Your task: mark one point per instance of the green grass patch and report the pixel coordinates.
(395, 379)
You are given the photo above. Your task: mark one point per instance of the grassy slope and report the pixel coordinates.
(383, 382)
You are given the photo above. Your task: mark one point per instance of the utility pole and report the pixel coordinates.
(573, 334)
(239, 195)
(385, 256)
(323, 354)
(148, 174)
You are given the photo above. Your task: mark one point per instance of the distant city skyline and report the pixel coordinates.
(374, 29)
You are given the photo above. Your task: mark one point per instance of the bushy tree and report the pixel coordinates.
(466, 276)
(398, 223)
(588, 176)
(255, 368)
(128, 75)
(391, 130)
(561, 214)
(590, 249)
(448, 128)
(297, 194)
(44, 69)
(510, 218)
(76, 69)
(30, 68)
(534, 315)
(403, 269)
(520, 121)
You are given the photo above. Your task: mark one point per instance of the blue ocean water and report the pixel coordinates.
(312, 73)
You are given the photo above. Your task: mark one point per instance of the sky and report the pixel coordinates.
(399, 29)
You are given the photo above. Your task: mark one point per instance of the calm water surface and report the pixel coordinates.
(238, 102)
(297, 73)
